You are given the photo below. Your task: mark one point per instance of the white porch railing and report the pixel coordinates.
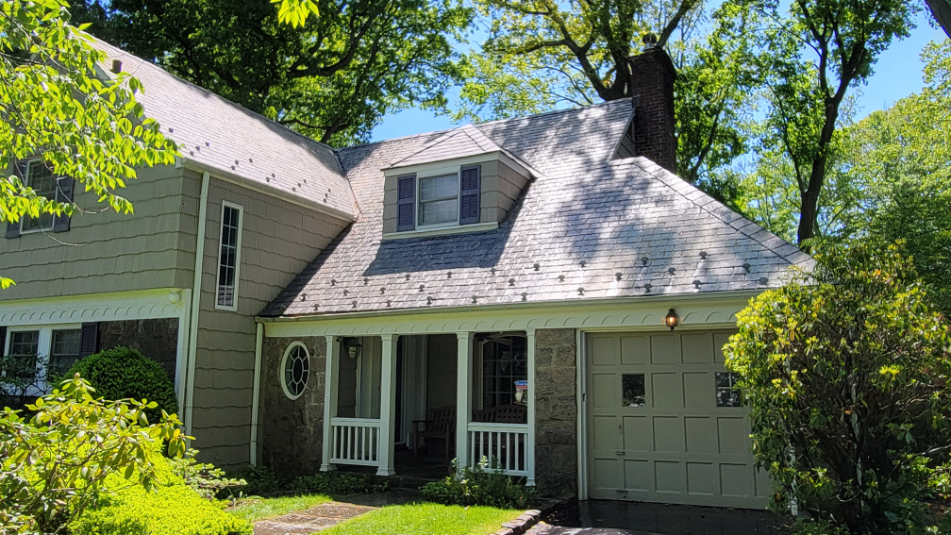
(505, 445)
(355, 441)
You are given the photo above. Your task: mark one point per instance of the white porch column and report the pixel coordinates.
(530, 440)
(387, 405)
(463, 397)
(330, 400)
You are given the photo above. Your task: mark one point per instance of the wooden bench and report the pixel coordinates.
(442, 425)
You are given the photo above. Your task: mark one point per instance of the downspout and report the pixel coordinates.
(196, 303)
(255, 400)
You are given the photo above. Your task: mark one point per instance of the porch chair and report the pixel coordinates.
(442, 425)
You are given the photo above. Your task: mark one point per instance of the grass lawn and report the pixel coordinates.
(254, 509)
(429, 518)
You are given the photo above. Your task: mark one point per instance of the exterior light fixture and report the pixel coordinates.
(672, 319)
(353, 347)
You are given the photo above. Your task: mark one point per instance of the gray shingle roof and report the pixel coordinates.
(589, 227)
(457, 143)
(219, 134)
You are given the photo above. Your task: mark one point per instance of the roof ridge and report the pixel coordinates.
(556, 112)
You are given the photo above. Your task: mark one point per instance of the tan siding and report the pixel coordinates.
(104, 251)
(278, 240)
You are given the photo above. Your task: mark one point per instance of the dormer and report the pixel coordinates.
(461, 182)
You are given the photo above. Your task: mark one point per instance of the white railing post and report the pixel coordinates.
(463, 396)
(530, 439)
(387, 406)
(330, 400)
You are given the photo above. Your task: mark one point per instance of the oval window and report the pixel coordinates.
(295, 369)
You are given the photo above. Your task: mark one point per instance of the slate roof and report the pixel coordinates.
(222, 135)
(458, 143)
(589, 227)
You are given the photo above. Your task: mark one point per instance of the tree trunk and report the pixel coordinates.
(809, 210)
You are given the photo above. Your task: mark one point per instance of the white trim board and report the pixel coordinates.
(137, 305)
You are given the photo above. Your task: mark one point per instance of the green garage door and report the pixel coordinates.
(665, 423)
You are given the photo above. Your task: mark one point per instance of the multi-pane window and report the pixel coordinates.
(20, 363)
(39, 177)
(64, 351)
(504, 364)
(728, 394)
(438, 200)
(228, 258)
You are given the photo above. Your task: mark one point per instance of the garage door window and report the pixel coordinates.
(632, 385)
(728, 395)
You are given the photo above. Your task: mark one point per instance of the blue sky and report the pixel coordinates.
(897, 74)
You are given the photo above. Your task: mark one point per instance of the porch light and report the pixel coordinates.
(672, 319)
(353, 347)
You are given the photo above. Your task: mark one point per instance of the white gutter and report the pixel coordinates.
(255, 400)
(195, 304)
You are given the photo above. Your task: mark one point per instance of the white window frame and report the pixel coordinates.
(237, 256)
(25, 178)
(287, 353)
(440, 173)
(44, 347)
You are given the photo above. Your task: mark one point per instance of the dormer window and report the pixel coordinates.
(439, 199)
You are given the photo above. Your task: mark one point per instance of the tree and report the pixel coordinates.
(295, 12)
(331, 79)
(53, 104)
(541, 54)
(845, 371)
(811, 57)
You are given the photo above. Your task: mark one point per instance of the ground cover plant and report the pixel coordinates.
(262, 481)
(482, 484)
(845, 371)
(414, 519)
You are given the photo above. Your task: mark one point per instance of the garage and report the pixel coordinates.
(665, 422)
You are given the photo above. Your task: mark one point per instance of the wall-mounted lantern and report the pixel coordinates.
(352, 347)
(672, 319)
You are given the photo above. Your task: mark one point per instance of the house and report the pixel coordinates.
(546, 285)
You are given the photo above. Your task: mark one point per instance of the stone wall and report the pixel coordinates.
(156, 339)
(290, 432)
(556, 412)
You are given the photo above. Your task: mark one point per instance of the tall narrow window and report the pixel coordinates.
(229, 257)
(39, 177)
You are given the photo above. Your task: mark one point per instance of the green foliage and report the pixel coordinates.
(122, 372)
(332, 79)
(57, 466)
(816, 527)
(209, 481)
(482, 484)
(335, 484)
(295, 12)
(254, 508)
(171, 508)
(55, 105)
(259, 481)
(845, 372)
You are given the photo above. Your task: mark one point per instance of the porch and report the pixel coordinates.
(435, 397)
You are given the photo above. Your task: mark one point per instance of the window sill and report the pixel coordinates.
(440, 231)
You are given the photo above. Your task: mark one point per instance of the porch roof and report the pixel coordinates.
(589, 228)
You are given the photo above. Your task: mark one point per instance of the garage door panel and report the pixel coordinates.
(668, 434)
(667, 390)
(653, 398)
(635, 350)
(638, 434)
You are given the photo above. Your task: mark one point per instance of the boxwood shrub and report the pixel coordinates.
(123, 372)
(173, 509)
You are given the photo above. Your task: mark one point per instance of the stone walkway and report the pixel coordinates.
(323, 516)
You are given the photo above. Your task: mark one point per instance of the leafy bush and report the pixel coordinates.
(846, 372)
(122, 373)
(55, 467)
(335, 484)
(209, 481)
(816, 527)
(480, 485)
(259, 481)
(172, 508)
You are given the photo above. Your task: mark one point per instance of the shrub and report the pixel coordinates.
(480, 485)
(845, 372)
(259, 481)
(55, 466)
(816, 527)
(209, 481)
(122, 373)
(335, 484)
(172, 508)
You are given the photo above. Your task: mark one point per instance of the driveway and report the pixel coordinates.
(632, 518)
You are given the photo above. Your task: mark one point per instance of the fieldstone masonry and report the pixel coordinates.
(291, 431)
(556, 412)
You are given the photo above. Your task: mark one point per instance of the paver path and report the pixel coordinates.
(325, 515)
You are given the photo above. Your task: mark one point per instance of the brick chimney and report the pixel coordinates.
(652, 90)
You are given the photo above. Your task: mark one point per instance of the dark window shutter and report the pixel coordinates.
(3, 341)
(64, 193)
(406, 203)
(19, 168)
(470, 203)
(90, 340)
